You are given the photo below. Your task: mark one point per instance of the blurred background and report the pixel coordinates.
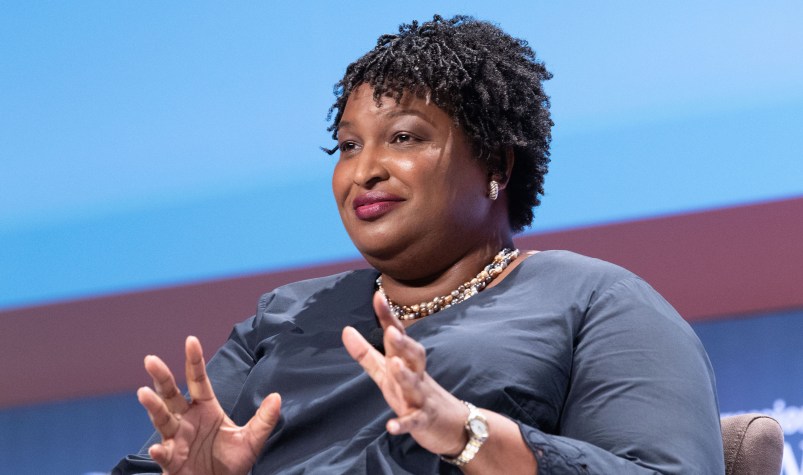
(160, 168)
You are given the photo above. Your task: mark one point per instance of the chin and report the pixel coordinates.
(377, 252)
(376, 237)
(379, 248)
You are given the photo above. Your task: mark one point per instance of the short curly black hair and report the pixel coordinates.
(490, 83)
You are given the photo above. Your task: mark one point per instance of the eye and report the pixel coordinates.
(402, 137)
(347, 146)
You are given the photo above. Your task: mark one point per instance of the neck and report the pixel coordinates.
(463, 292)
(443, 278)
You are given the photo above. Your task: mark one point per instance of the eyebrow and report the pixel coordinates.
(403, 112)
(392, 115)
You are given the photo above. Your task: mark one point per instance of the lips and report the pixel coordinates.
(374, 204)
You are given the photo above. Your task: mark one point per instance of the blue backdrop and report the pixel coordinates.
(152, 144)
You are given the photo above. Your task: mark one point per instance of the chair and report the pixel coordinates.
(753, 444)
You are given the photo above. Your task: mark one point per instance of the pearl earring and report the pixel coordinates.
(493, 194)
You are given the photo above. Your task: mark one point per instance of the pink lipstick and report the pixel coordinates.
(374, 204)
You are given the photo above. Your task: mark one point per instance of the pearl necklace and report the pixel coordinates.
(464, 292)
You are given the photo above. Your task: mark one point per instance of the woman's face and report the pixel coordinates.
(407, 184)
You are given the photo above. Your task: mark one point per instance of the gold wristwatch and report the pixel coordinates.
(477, 430)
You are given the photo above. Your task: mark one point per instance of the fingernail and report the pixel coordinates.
(393, 427)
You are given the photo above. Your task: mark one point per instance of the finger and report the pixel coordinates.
(409, 350)
(161, 454)
(162, 419)
(383, 313)
(198, 383)
(165, 384)
(358, 348)
(264, 421)
(407, 423)
(408, 382)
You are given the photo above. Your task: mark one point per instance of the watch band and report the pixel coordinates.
(477, 430)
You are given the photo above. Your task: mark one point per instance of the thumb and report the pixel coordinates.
(264, 421)
(384, 315)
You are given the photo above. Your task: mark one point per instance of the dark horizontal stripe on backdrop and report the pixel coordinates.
(731, 261)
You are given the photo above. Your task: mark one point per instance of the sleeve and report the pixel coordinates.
(227, 370)
(642, 396)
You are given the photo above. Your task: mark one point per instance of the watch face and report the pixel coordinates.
(478, 427)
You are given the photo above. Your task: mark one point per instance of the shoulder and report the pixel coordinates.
(304, 303)
(570, 271)
(340, 285)
(592, 286)
(572, 263)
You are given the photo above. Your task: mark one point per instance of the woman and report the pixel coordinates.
(470, 355)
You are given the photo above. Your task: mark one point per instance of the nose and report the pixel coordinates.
(370, 167)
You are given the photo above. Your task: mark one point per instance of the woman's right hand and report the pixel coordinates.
(197, 436)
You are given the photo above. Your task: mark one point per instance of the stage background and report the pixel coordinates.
(160, 168)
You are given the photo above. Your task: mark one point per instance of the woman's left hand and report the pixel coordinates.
(424, 409)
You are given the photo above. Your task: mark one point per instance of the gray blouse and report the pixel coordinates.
(601, 374)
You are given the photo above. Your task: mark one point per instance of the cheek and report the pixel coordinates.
(410, 167)
(465, 180)
(465, 198)
(340, 182)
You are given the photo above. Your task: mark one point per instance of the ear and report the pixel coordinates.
(501, 173)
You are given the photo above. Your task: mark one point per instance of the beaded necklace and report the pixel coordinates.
(464, 292)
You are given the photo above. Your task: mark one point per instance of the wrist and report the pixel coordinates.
(461, 437)
(475, 429)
